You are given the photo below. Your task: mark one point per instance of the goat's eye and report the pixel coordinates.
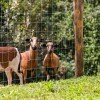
(31, 40)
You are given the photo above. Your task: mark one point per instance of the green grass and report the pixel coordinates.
(83, 88)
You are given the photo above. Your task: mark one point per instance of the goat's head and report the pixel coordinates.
(62, 72)
(33, 42)
(50, 46)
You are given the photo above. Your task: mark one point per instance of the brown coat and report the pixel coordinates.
(9, 60)
(51, 60)
(29, 58)
(7, 54)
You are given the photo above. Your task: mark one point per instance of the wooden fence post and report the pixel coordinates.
(78, 6)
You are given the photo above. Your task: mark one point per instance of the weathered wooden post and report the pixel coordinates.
(78, 6)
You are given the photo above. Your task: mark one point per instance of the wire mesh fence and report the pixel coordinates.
(43, 19)
(48, 20)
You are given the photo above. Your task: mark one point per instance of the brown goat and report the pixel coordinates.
(29, 58)
(51, 60)
(9, 60)
(62, 72)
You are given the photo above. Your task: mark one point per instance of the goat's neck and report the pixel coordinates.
(49, 55)
(33, 53)
(49, 59)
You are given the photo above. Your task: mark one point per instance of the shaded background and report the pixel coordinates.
(53, 20)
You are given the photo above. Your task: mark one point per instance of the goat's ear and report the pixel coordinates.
(43, 45)
(40, 40)
(27, 40)
(55, 45)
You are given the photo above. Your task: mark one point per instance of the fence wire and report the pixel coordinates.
(49, 20)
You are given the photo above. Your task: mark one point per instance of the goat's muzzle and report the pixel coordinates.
(49, 52)
(34, 48)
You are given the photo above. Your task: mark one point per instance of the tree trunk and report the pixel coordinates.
(78, 6)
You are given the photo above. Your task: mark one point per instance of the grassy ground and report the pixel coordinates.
(83, 88)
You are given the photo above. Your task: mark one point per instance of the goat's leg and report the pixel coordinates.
(20, 75)
(25, 75)
(9, 76)
(47, 74)
(32, 73)
(54, 72)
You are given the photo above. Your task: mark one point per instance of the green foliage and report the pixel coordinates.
(93, 2)
(5, 34)
(86, 88)
(53, 19)
(67, 61)
(48, 18)
(91, 39)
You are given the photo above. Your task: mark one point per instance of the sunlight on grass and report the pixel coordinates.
(83, 88)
